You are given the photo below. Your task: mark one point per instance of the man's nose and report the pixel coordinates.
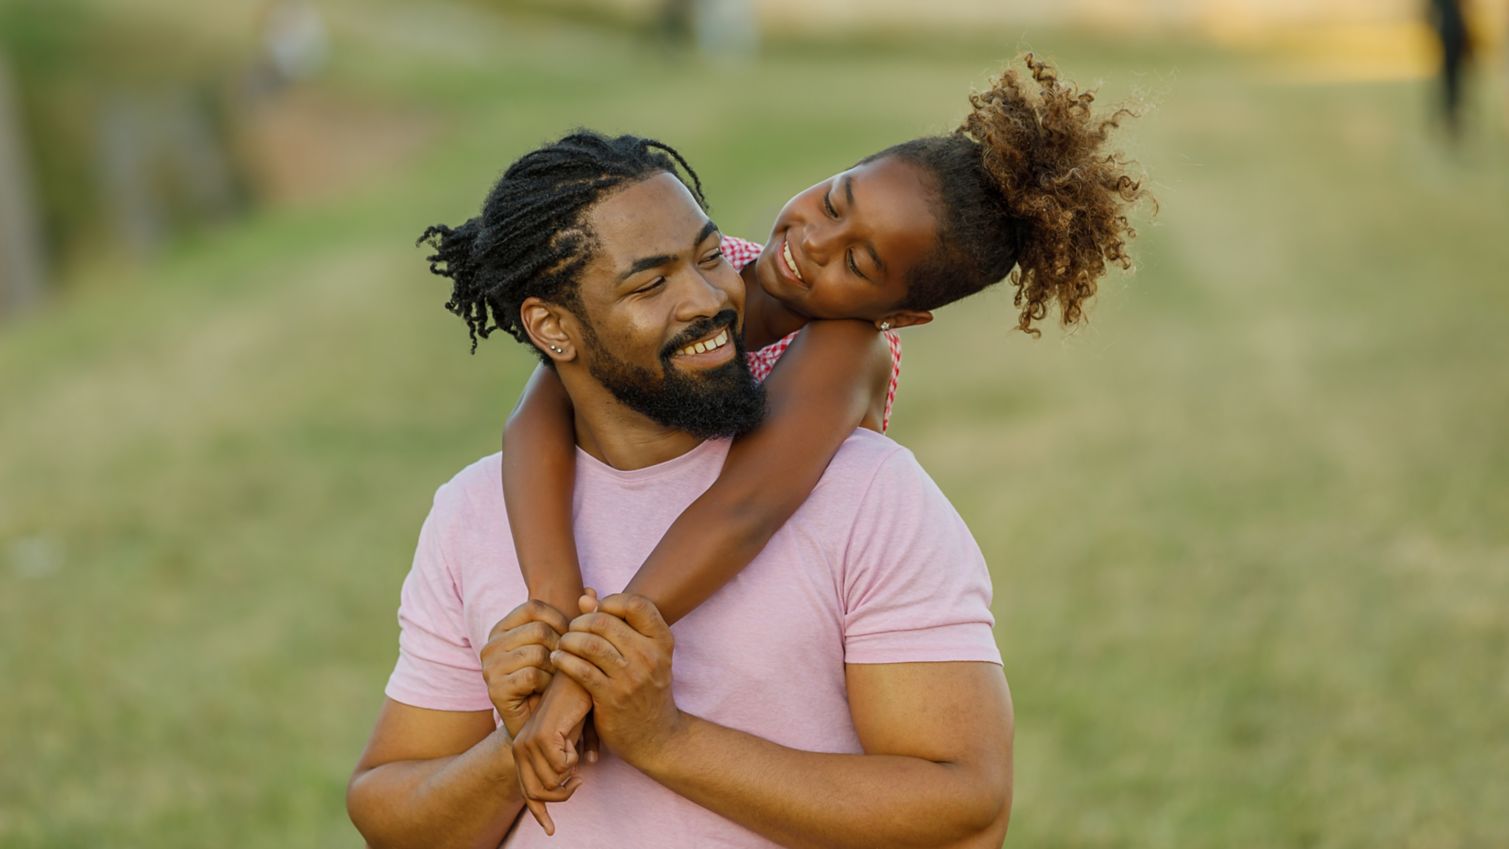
(701, 298)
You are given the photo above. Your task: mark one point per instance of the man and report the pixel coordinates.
(844, 690)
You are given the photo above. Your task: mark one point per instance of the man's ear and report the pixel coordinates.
(904, 318)
(550, 327)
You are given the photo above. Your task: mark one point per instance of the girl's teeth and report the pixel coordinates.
(790, 260)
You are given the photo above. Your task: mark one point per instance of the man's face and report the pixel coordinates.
(663, 312)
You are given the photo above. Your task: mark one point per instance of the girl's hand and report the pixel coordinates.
(545, 749)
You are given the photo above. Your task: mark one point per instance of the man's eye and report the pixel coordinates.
(715, 256)
(828, 205)
(650, 286)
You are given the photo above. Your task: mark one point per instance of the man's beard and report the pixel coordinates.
(725, 401)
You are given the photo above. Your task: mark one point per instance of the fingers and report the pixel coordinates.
(541, 816)
(526, 634)
(500, 662)
(582, 672)
(641, 614)
(599, 650)
(513, 695)
(533, 610)
(590, 743)
(538, 782)
(559, 758)
(528, 681)
(588, 601)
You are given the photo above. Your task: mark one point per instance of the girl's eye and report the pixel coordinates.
(828, 204)
(715, 256)
(854, 267)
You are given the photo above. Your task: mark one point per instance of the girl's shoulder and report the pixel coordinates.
(740, 252)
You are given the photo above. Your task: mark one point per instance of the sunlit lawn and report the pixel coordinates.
(1248, 528)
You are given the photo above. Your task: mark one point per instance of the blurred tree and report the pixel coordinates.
(126, 141)
(20, 234)
(675, 20)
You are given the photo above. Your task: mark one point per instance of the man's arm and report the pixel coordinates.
(936, 770)
(435, 778)
(937, 739)
(432, 778)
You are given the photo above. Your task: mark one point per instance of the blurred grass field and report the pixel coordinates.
(1249, 529)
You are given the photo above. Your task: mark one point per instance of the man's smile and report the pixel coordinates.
(711, 351)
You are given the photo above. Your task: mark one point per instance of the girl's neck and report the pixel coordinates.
(766, 320)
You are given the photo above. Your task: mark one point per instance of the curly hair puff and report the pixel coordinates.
(1026, 191)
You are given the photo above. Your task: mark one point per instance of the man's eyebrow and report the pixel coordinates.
(646, 263)
(708, 229)
(848, 187)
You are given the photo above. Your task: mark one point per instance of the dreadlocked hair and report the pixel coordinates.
(1025, 189)
(532, 239)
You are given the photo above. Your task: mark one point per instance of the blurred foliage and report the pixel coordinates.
(70, 59)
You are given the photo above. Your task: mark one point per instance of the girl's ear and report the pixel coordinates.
(903, 318)
(547, 327)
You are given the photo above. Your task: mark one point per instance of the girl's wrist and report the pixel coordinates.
(562, 595)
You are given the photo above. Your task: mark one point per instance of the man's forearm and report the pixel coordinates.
(468, 800)
(802, 799)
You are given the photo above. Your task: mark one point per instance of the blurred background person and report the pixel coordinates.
(1449, 24)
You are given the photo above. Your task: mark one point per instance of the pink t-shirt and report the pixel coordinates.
(876, 567)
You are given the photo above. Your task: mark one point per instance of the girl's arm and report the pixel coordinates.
(539, 469)
(827, 384)
(831, 380)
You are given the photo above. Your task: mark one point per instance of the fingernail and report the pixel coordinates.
(592, 757)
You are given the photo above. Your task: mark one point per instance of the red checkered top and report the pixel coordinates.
(740, 253)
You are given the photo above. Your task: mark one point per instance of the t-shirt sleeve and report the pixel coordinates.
(915, 583)
(437, 667)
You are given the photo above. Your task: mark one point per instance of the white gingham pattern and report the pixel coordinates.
(740, 253)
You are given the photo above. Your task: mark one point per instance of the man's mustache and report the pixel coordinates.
(699, 330)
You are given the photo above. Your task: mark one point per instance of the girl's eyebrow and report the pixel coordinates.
(847, 184)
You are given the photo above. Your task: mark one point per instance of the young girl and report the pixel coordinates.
(1023, 187)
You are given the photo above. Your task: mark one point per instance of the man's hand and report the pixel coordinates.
(516, 660)
(621, 655)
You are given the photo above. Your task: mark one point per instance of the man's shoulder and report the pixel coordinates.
(868, 460)
(867, 449)
(477, 487)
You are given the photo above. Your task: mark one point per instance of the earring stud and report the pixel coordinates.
(885, 325)
(558, 349)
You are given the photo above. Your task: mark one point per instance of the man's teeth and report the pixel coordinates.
(790, 261)
(712, 344)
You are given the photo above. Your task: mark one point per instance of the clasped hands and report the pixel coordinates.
(615, 662)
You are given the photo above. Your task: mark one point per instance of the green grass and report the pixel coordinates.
(1247, 528)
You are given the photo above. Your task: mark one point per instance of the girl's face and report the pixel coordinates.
(845, 247)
